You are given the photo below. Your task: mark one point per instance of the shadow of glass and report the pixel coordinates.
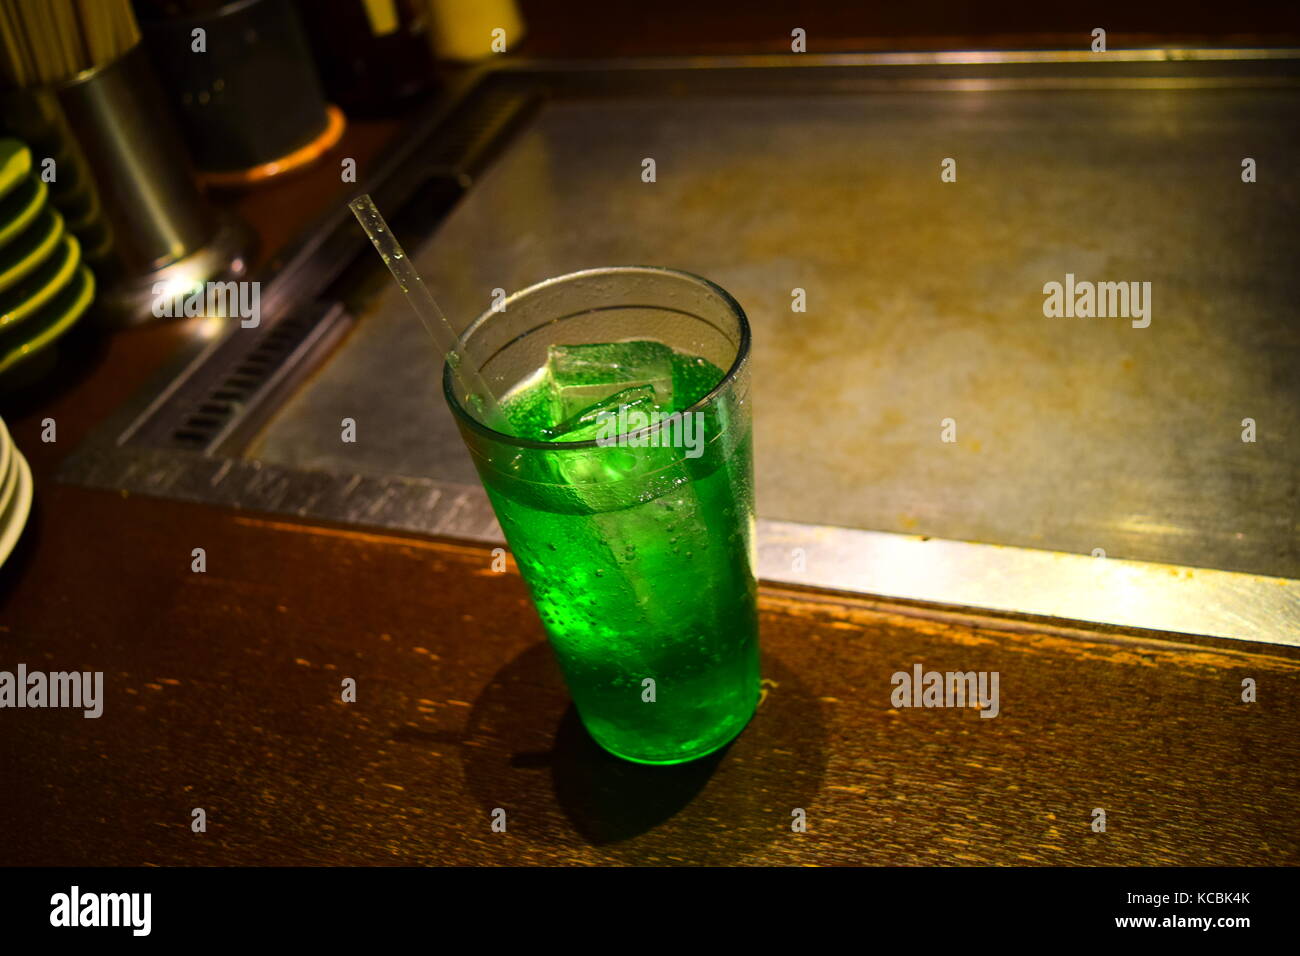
(525, 750)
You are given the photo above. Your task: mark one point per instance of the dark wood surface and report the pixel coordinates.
(584, 28)
(223, 692)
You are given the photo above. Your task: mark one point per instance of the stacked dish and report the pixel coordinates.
(44, 286)
(15, 493)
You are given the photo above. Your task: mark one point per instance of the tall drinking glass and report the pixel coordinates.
(638, 550)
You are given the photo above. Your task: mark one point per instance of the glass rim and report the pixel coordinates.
(742, 352)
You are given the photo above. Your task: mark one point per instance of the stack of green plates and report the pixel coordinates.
(44, 287)
(15, 493)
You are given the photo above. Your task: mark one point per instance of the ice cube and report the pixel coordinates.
(583, 375)
(593, 474)
(588, 422)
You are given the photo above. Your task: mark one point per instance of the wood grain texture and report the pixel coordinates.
(222, 692)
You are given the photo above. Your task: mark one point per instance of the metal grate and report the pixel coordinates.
(205, 420)
(226, 396)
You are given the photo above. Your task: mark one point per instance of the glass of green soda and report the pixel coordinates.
(625, 492)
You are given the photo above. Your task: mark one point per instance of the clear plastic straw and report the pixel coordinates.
(469, 383)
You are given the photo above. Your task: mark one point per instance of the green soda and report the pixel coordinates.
(637, 544)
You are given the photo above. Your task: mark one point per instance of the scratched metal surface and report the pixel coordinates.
(924, 302)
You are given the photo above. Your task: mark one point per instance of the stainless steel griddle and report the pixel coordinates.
(1074, 436)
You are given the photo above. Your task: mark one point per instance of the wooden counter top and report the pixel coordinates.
(223, 692)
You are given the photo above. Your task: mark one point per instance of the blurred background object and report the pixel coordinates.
(374, 56)
(15, 493)
(243, 84)
(79, 90)
(474, 29)
(44, 287)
